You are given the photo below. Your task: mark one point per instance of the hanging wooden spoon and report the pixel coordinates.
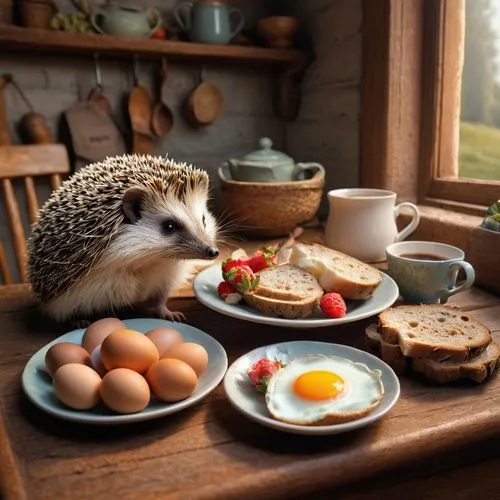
(162, 119)
(96, 96)
(139, 107)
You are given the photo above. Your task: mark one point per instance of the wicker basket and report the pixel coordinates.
(271, 209)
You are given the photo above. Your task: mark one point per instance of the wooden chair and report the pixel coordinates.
(26, 162)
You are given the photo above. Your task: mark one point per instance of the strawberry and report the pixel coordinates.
(242, 278)
(228, 293)
(229, 263)
(261, 371)
(333, 305)
(263, 258)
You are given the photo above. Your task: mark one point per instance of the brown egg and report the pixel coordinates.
(164, 338)
(171, 380)
(98, 331)
(193, 354)
(77, 386)
(63, 353)
(128, 349)
(125, 391)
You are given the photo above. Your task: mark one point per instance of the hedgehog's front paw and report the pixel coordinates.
(163, 312)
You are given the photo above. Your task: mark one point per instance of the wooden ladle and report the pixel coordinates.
(162, 119)
(205, 104)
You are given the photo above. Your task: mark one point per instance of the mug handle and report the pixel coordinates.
(405, 232)
(94, 16)
(184, 27)
(304, 167)
(470, 276)
(150, 12)
(240, 23)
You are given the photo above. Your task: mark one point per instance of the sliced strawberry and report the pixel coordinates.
(228, 293)
(242, 278)
(261, 371)
(263, 258)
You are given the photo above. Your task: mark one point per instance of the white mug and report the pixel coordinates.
(362, 222)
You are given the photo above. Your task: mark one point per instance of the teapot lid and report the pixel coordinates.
(266, 154)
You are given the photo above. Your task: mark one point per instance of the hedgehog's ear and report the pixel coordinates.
(132, 203)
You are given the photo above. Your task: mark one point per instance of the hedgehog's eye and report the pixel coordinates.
(204, 221)
(169, 226)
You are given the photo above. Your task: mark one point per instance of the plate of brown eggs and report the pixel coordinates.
(122, 371)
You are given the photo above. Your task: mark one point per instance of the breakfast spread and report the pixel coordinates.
(441, 342)
(316, 389)
(123, 368)
(313, 279)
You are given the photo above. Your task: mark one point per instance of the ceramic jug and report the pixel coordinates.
(362, 222)
(125, 21)
(208, 21)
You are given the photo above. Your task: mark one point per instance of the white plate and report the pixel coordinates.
(38, 386)
(251, 403)
(205, 288)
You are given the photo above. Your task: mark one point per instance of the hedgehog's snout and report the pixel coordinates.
(211, 252)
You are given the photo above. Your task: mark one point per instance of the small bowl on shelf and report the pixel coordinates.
(278, 31)
(37, 13)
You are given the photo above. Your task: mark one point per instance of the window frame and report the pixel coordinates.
(410, 104)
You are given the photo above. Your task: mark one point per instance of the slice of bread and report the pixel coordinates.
(390, 353)
(286, 291)
(336, 271)
(478, 368)
(434, 331)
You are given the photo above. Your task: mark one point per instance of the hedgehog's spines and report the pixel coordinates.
(78, 222)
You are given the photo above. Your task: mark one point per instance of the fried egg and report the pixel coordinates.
(322, 390)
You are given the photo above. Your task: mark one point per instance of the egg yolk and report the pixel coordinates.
(319, 385)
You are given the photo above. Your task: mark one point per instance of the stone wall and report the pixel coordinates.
(326, 130)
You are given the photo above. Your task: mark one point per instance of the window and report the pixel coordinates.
(453, 93)
(418, 129)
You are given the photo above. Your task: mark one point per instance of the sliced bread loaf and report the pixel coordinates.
(434, 331)
(477, 368)
(336, 271)
(286, 291)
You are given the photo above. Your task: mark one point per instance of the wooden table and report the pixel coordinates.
(442, 442)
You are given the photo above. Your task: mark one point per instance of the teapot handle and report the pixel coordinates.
(314, 168)
(184, 26)
(240, 23)
(150, 12)
(94, 16)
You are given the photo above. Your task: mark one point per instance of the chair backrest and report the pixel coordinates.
(26, 162)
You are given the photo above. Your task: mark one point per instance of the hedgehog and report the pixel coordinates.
(120, 233)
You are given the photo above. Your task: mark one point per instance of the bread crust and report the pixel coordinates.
(285, 303)
(455, 348)
(281, 308)
(477, 369)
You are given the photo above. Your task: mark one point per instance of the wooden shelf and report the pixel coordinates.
(15, 38)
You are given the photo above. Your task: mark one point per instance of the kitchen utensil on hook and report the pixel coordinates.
(96, 96)
(139, 106)
(205, 104)
(33, 126)
(162, 119)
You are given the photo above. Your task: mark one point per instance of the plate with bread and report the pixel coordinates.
(310, 387)
(437, 342)
(299, 285)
